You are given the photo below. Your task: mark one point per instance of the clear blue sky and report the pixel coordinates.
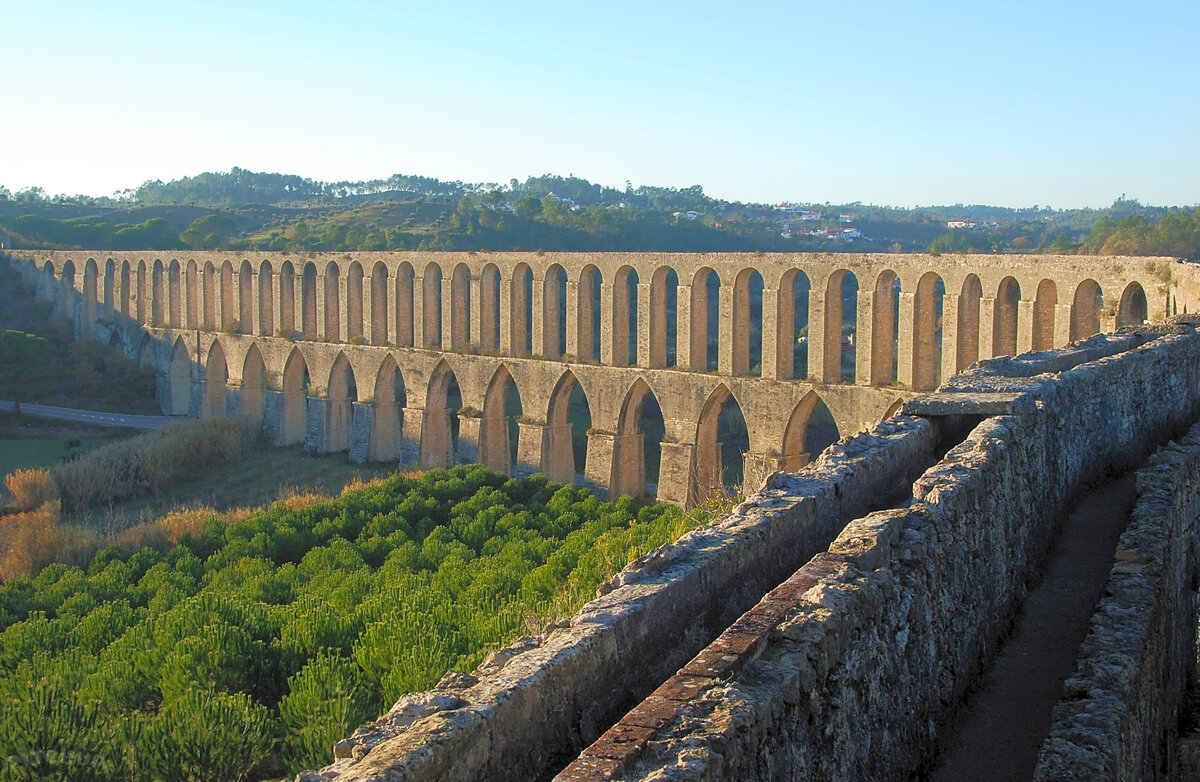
(1013, 103)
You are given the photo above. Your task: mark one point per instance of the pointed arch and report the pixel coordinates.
(810, 430)
(293, 399)
(439, 435)
(1004, 319)
(179, 380)
(967, 351)
(568, 420)
(927, 332)
(266, 299)
(254, 381)
(501, 406)
(1085, 310)
(216, 375)
(1044, 307)
(554, 312)
(379, 304)
(1133, 310)
(460, 307)
(489, 308)
(588, 310)
(387, 421)
(720, 455)
(342, 393)
(637, 445)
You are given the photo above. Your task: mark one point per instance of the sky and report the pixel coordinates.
(1062, 104)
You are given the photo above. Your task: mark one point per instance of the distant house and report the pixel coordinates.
(960, 223)
(810, 215)
(692, 214)
(851, 233)
(845, 218)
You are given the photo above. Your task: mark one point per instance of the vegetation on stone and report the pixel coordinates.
(261, 639)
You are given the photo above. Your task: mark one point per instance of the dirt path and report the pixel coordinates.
(1001, 730)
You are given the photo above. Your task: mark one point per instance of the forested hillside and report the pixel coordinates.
(264, 211)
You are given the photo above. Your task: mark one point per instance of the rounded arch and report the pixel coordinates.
(568, 420)
(791, 324)
(254, 381)
(625, 317)
(354, 301)
(308, 301)
(245, 298)
(293, 399)
(287, 299)
(142, 294)
(191, 284)
(342, 393)
(460, 306)
(489, 308)
(498, 435)
(229, 310)
(664, 307)
(554, 312)
(637, 446)
(379, 304)
(158, 295)
(91, 276)
(841, 328)
(266, 299)
(927, 331)
(704, 339)
(216, 375)
(431, 306)
(110, 288)
(1045, 305)
(333, 303)
(747, 323)
(174, 295)
(125, 290)
(66, 290)
(520, 311)
(387, 420)
(969, 299)
(1004, 319)
(721, 445)
(179, 379)
(1085, 310)
(443, 399)
(1133, 310)
(589, 309)
(405, 277)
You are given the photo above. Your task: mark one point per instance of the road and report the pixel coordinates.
(93, 417)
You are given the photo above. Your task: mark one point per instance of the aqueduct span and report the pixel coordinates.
(436, 358)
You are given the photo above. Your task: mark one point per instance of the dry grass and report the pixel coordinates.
(31, 488)
(32, 540)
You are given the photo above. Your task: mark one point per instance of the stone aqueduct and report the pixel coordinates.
(359, 352)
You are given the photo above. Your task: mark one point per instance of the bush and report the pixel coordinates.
(32, 540)
(31, 488)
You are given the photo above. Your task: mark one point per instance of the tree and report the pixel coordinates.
(208, 232)
(23, 357)
(529, 206)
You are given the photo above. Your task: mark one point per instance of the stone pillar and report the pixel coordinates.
(864, 354)
(709, 482)
(319, 285)
(645, 319)
(683, 327)
(451, 337)
(271, 413)
(727, 338)
(368, 308)
(987, 326)
(598, 471)
(361, 425)
(469, 430)
(949, 336)
(233, 400)
(494, 450)
(529, 448)
(506, 336)
(384, 444)
(418, 316)
(776, 362)
(676, 483)
(343, 299)
(316, 413)
(608, 324)
(476, 315)
(579, 323)
(558, 455)
(410, 436)
(816, 336)
(391, 328)
(755, 469)
(1025, 325)
(629, 466)
(1062, 325)
(906, 340)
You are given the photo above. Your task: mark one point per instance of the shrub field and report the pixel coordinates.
(257, 640)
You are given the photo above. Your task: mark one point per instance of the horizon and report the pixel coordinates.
(1063, 107)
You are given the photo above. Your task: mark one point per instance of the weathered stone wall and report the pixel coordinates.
(849, 669)
(531, 708)
(1119, 714)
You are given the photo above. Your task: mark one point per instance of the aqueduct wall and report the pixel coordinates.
(364, 352)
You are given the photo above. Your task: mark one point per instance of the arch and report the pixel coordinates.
(1133, 310)
(333, 304)
(405, 277)
(229, 310)
(791, 321)
(124, 290)
(927, 332)
(142, 295)
(147, 354)
(439, 436)
(158, 295)
(431, 306)
(66, 290)
(967, 351)
(91, 275)
(460, 307)
(216, 375)
(721, 445)
(387, 421)
(354, 301)
(625, 317)
(179, 380)
(254, 380)
(811, 429)
(110, 288)
(554, 312)
(342, 393)
(1044, 306)
(520, 311)
(664, 304)
(1004, 319)
(266, 299)
(841, 326)
(704, 340)
(245, 289)
(174, 296)
(567, 423)
(287, 299)
(293, 399)
(489, 308)
(308, 301)
(498, 435)
(209, 321)
(637, 446)
(1085, 310)
(885, 329)
(747, 323)
(379, 304)
(192, 288)
(588, 311)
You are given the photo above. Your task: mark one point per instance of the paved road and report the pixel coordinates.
(93, 417)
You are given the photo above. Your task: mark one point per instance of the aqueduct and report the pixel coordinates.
(615, 366)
